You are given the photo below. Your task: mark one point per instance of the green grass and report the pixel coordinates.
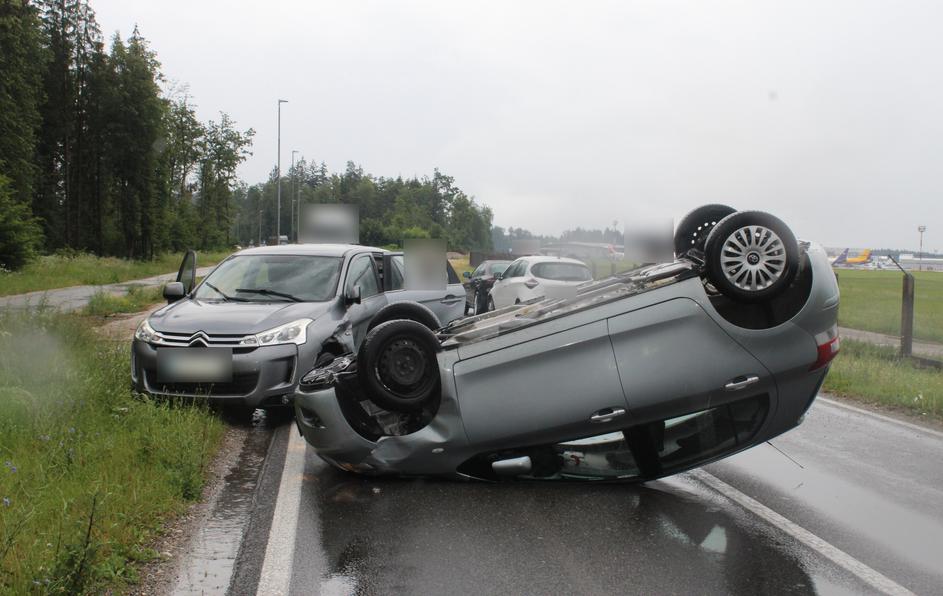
(88, 470)
(870, 300)
(56, 271)
(103, 304)
(875, 374)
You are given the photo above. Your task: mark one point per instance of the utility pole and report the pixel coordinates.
(294, 234)
(921, 229)
(278, 171)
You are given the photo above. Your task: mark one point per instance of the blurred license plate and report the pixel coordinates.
(194, 365)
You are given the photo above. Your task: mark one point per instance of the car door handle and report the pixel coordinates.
(451, 299)
(607, 415)
(740, 383)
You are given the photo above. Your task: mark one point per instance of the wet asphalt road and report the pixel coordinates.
(869, 487)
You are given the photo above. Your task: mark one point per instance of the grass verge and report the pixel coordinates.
(88, 470)
(875, 374)
(870, 300)
(103, 304)
(57, 271)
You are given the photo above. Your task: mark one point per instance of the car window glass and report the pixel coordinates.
(397, 272)
(499, 268)
(479, 271)
(305, 277)
(562, 271)
(452, 275)
(360, 273)
(516, 269)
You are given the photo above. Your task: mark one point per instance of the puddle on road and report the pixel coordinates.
(207, 564)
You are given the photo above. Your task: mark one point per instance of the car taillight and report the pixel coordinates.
(828, 344)
(531, 283)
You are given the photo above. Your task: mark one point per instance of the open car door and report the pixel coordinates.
(187, 272)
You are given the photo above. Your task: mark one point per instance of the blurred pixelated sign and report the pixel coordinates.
(425, 264)
(333, 223)
(524, 247)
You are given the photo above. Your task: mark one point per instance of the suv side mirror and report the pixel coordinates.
(466, 274)
(173, 291)
(352, 295)
(498, 276)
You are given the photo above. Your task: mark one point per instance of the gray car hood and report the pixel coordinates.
(232, 318)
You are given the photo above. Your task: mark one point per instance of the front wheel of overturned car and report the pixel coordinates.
(398, 368)
(751, 256)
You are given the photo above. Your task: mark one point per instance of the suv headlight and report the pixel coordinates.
(295, 332)
(145, 332)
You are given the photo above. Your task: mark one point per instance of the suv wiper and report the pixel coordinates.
(268, 292)
(224, 294)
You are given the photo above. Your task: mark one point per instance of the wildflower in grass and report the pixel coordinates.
(10, 466)
(6, 501)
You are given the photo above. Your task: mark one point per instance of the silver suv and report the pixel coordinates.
(266, 315)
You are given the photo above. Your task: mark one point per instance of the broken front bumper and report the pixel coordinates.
(323, 425)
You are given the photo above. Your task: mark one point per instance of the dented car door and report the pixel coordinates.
(560, 386)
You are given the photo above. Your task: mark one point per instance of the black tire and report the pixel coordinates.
(413, 311)
(397, 365)
(751, 256)
(693, 229)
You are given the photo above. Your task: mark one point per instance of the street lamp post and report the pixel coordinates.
(921, 229)
(294, 234)
(278, 171)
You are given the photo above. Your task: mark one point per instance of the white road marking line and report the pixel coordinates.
(866, 574)
(917, 427)
(275, 578)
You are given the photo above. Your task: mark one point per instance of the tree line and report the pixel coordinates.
(390, 209)
(100, 154)
(94, 155)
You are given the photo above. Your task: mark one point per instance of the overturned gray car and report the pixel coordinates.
(637, 376)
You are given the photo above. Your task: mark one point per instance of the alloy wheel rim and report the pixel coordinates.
(753, 258)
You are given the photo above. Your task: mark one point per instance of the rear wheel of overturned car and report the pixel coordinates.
(693, 229)
(751, 256)
(398, 368)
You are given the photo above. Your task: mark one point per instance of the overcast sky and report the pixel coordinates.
(828, 114)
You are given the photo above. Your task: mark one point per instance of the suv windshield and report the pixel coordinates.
(267, 278)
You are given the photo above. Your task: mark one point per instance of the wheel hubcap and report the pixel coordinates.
(753, 258)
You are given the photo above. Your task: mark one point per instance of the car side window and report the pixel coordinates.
(516, 269)
(397, 269)
(452, 275)
(479, 271)
(361, 273)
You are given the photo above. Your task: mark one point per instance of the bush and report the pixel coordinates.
(20, 234)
